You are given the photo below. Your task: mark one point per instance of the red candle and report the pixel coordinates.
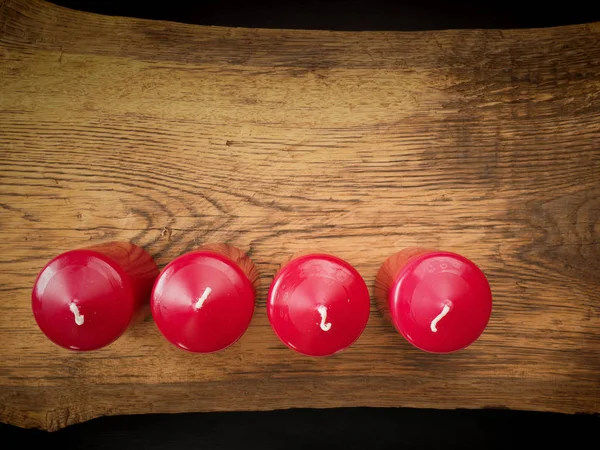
(318, 304)
(203, 301)
(85, 299)
(439, 301)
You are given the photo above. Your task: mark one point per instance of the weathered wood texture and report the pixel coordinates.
(481, 142)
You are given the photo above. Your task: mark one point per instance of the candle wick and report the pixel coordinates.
(439, 317)
(203, 298)
(75, 310)
(323, 312)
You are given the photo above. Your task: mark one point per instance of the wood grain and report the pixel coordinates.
(485, 143)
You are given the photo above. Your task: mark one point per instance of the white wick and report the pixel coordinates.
(439, 317)
(75, 310)
(323, 311)
(202, 299)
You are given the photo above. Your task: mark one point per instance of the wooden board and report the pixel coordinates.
(486, 143)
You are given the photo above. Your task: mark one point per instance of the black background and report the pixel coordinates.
(345, 428)
(348, 428)
(354, 14)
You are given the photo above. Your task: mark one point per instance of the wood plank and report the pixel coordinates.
(277, 141)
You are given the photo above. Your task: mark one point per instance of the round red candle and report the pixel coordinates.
(85, 299)
(203, 301)
(318, 304)
(439, 301)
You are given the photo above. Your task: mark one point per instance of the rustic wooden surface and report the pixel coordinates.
(486, 143)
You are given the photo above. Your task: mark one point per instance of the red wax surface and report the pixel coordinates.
(85, 299)
(318, 305)
(440, 301)
(202, 301)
